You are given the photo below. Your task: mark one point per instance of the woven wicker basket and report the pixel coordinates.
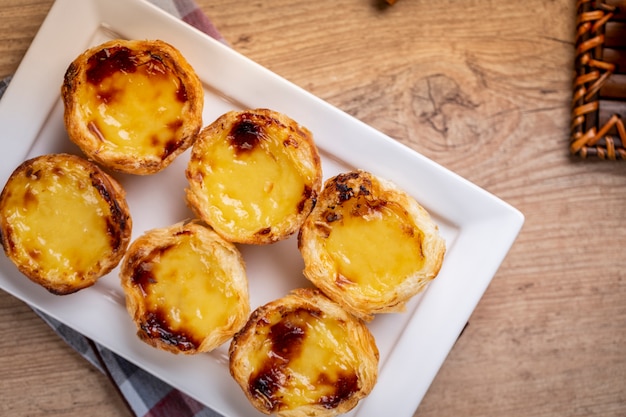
(599, 99)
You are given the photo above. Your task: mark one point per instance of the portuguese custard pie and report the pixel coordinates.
(368, 245)
(132, 106)
(254, 176)
(303, 355)
(186, 288)
(63, 222)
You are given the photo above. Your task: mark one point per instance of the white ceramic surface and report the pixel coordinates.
(478, 227)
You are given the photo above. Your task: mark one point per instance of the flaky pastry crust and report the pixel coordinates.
(186, 288)
(254, 176)
(303, 355)
(368, 245)
(64, 222)
(132, 105)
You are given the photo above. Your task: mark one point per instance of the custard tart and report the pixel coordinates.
(303, 355)
(368, 245)
(64, 222)
(132, 105)
(186, 288)
(254, 176)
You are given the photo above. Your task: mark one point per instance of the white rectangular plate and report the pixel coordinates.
(478, 227)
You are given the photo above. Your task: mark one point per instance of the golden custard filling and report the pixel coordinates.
(187, 294)
(252, 182)
(59, 220)
(133, 102)
(305, 359)
(374, 248)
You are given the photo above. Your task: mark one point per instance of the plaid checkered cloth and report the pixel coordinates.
(144, 394)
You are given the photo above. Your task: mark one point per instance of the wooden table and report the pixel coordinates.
(481, 87)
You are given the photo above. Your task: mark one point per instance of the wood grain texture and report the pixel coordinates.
(481, 87)
(42, 376)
